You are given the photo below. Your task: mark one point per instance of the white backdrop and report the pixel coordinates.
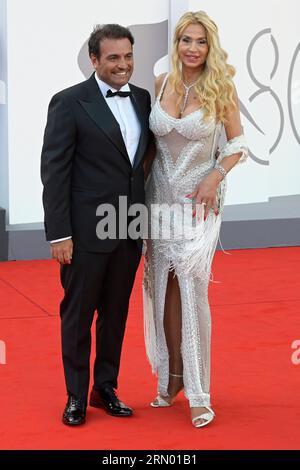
(44, 39)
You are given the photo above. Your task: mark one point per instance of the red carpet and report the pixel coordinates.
(255, 385)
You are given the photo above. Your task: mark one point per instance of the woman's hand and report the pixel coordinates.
(206, 193)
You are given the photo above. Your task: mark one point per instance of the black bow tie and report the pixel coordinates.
(124, 94)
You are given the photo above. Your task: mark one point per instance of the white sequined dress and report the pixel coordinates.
(186, 150)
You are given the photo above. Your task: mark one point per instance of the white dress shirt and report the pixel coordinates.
(124, 113)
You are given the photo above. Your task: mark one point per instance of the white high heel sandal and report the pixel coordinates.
(209, 416)
(160, 402)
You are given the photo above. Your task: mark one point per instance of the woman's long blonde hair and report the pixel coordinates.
(214, 87)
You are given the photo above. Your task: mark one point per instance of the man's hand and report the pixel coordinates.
(62, 251)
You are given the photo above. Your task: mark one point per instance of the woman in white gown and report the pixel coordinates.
(193, 102)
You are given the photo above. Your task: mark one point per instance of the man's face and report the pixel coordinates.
(115, 64)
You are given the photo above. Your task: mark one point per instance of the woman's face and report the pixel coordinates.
(193, 47)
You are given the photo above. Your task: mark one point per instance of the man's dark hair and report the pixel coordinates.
(107, 31)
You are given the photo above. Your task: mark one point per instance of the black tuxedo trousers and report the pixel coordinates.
(102, 283)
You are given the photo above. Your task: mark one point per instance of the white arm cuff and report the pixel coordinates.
(236, 145)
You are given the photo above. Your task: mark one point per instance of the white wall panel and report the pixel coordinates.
(44, 40)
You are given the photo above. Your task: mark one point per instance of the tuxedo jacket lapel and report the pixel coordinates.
(98, 110)
(96, 107)
(143, 119)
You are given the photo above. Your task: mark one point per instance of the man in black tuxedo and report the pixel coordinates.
(95, 141)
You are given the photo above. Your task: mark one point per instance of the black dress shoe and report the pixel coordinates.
(106, 398)
(74, 412)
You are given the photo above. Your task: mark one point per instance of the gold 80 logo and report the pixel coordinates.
(293, 91)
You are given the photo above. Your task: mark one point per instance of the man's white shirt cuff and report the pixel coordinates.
(60, 240)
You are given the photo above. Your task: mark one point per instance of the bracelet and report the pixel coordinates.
(221, 170)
